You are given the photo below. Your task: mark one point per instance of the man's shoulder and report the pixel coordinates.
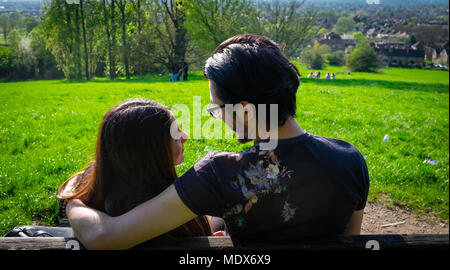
(337, 148)
(219, 157)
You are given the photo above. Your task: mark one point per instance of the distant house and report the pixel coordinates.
(437, 53)
(417, 46)
(442, 57)
(335, 41)
(389, 45)
(400, 57)
(440, 54)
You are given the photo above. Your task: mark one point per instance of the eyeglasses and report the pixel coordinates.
(214, 110)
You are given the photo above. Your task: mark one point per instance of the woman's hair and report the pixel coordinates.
(133, 162)
(252, 68)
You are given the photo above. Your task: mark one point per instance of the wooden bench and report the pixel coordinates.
(342, 242)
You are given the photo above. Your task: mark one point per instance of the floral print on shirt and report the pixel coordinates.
(258, 180)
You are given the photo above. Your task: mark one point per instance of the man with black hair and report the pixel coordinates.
(306, 186)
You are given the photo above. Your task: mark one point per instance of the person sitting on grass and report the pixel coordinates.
(310, 75)
(333, 76)
(306, 186)
(328, 76)
(175, 77)
(135, 161)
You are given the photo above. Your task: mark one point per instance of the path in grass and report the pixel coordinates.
(48, 131)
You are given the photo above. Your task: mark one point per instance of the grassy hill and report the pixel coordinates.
(48, 132)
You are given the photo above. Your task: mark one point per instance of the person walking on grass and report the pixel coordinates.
(184, 71)
(307, 186)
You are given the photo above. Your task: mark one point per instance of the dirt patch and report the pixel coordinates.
(380, 219)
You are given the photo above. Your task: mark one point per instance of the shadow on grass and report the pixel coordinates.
(391, 85)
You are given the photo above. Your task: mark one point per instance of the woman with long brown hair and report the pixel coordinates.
(135, 161)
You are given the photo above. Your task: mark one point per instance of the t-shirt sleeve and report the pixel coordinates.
(201, 189)
(364, 174)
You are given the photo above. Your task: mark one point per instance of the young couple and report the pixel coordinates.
(308, 186)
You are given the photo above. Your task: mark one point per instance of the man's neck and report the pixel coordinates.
(290, 129)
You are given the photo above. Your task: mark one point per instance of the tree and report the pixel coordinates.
(429, 35)
(46, 66)
(77, 43)
(61, 33)
(4, 25)
(313, 56)
(15, 20)
(121, 4)
(344, 25)
(327, 18)
(86, 54)
(23, 59)
(29, 24)
(209, 22)
(288, 24)
(109, 26)
(363, 57)
(336, 58)
(169, 25)
(5, 61)
(140, 40)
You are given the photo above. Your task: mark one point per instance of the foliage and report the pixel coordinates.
(363, 57)
(336, 58)
(344, 25)
(23, 58)
(289, 24)
(119, 37)
(314, 57)
(211, 22)
(5, 61)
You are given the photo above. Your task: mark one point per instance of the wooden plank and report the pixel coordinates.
(344, 242)
(35, 243)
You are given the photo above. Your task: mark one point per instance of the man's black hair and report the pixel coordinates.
(252, 68)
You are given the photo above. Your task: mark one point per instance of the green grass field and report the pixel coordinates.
(48, 132)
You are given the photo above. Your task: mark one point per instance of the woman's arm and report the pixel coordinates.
(354, 226)
(96, 230)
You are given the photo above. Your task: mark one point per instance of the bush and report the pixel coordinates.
(5, 61)
(336, 58)
(363, 58)
(317, 61)
(313, 57)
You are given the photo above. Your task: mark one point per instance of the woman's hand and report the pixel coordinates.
(89, 225)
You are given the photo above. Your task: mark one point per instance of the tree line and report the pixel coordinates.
(79, 39)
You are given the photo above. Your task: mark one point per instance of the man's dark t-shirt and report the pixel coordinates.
(307, 187)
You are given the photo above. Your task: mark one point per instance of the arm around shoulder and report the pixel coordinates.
(96, 230)
(89, 225)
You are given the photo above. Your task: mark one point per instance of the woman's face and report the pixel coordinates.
(178, 148)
